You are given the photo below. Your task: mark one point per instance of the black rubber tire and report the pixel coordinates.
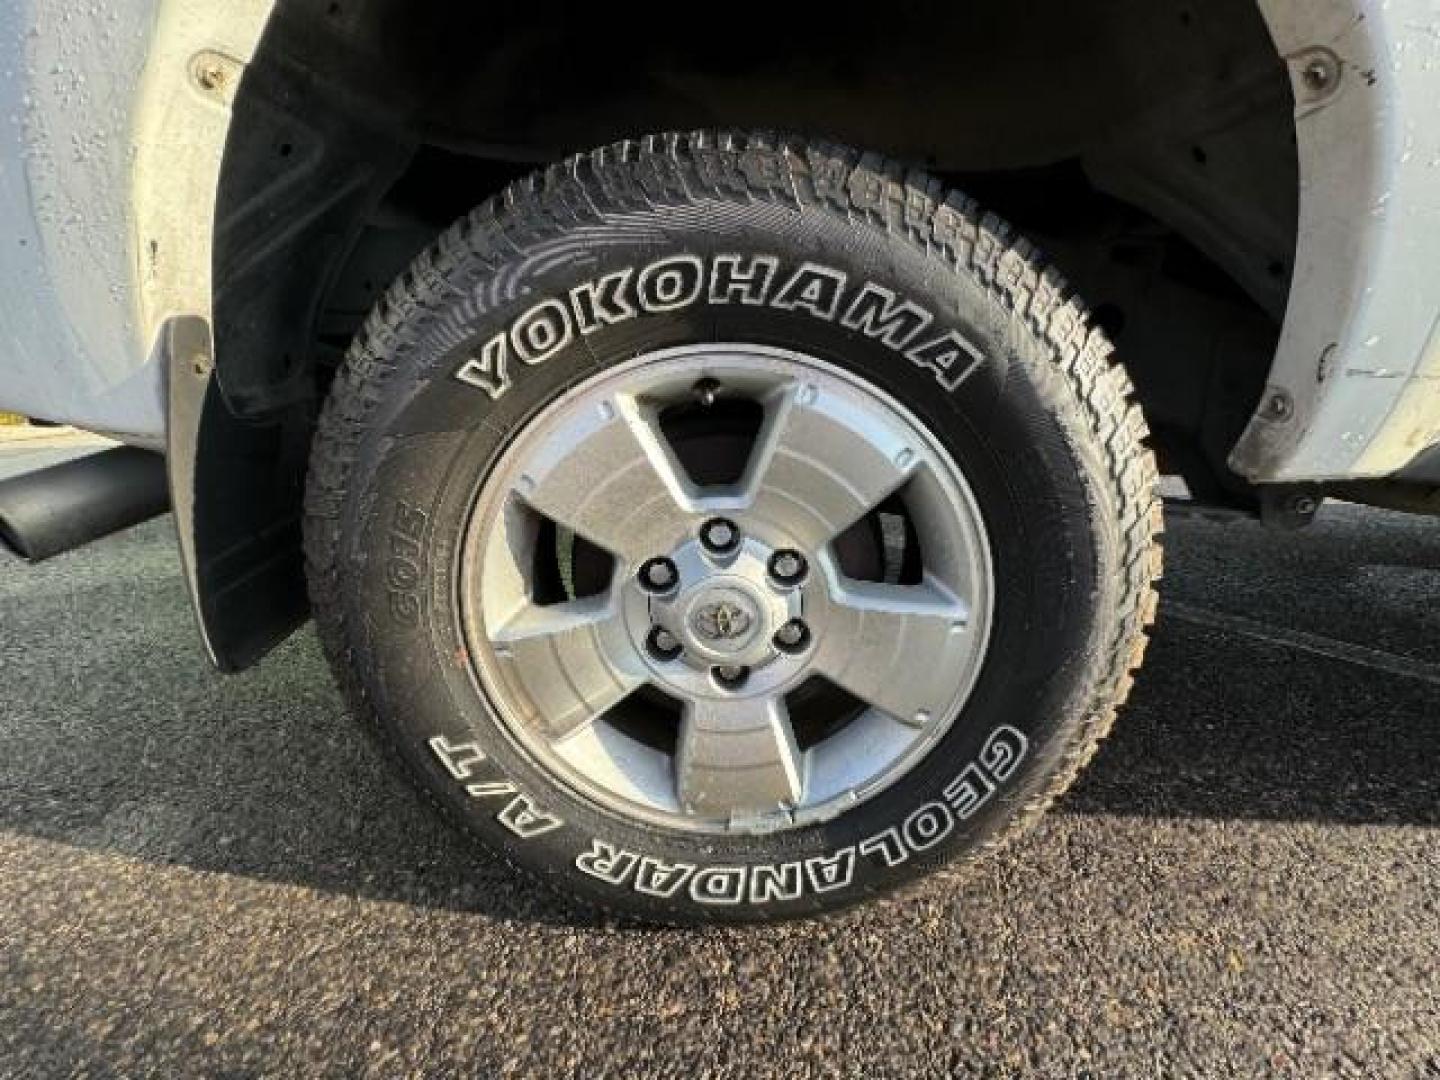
(1044, 426)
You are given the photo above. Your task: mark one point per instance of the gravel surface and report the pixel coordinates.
(208, 875)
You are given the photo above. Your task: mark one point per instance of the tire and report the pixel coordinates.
(454, 365)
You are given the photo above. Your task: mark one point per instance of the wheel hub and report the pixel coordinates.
(723, 609)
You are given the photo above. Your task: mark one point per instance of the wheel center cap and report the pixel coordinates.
(723, 619)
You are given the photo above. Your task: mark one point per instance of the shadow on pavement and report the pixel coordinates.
(114, 736)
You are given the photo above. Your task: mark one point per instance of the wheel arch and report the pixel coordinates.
(1354, 391)
(324, 119)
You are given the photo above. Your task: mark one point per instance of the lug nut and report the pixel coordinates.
(662, 644)
(730, 676)
(788, 567)
(658, 575)
(793, 637)
(720, 535)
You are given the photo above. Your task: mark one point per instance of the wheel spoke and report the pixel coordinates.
(821, 462)
(571, 660)
(896, 647)
(737, 757)
(610, 475)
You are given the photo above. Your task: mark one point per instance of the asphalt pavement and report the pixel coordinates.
(212, 875)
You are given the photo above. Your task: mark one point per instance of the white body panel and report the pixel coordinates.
(1359, 359)
(72, 347)
(110, 151)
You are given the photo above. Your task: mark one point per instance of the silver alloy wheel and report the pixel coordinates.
(726, 599)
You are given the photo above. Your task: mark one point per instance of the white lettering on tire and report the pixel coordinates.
(542, 331)
(520, 814)
(606, 862)
(719, 885)
(680, 281)
(764, 883)
(662, 879)
(671, 284)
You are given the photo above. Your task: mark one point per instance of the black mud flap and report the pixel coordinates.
(237, 488)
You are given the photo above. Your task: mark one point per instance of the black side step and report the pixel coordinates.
(65, 506)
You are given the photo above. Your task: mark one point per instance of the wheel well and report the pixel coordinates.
(1148, 145)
